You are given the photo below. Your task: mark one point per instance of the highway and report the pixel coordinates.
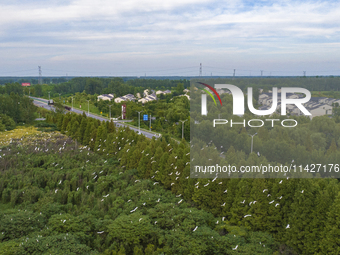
(40, 102)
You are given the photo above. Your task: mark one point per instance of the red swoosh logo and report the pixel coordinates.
(212, 89)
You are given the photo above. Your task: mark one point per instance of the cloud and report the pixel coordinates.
(170, 30)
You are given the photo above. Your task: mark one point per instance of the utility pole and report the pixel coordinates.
(110, 110)
(29, 92)
(304, 73)
(49, 95)
(234, 73)
(139, 122)
(183, 127)
(150, 122)
(200, 69)
(88, 107)
(72, 103)
(40, 78)
(251, 147)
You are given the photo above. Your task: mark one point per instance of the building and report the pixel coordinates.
(128, 97)
(317, 106)
(108, 97)
(148, 98)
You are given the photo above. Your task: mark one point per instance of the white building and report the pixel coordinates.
(108, 97)
(148, 98)
(128, 97)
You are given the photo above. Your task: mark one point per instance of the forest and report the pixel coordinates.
(97, 189)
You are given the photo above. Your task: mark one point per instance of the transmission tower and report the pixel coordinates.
(234, 73)
(40, 78)
(261, 73)
(200, 69)
(304, 73)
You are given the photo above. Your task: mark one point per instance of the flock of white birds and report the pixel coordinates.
(177, 173)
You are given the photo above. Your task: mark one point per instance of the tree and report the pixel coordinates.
(6, 122)
(38, 90)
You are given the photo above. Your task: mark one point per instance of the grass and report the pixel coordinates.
(24, 134)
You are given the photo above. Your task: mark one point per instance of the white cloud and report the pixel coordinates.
(168, 30)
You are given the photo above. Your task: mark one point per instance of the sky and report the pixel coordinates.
(169, 37)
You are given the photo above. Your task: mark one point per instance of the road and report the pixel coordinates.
(40, 102)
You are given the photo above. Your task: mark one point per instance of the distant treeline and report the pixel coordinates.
(90, 85)
(311, 83)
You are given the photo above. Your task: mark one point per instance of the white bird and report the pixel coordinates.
(279, 197)
(158, 200)
(271, 202)
(206, 184)
(288, 226)
(280, 182)
(223, 218)
(140, 219)
(180, 201)
(242, 202)
(134, 209)
(277, 204)
(179, 195)
(223, 204)
(302, 191)
(247, 215)
(60, 182)
(155, 183)
(195, 229)
(235, 247)
(258, 154)
(106, 195)
(64, 221)
(264, 190)
(268, 195)
(172, 183)
(101, 232)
